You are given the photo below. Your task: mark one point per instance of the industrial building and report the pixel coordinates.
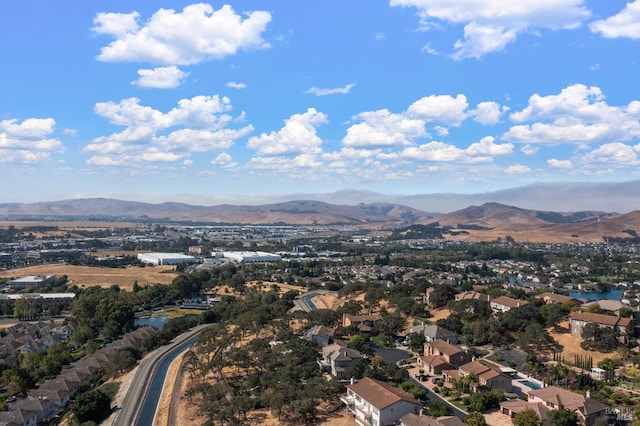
(251, 256)
(31, 281)
(165, 258)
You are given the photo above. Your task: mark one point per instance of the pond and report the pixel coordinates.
(158, 321)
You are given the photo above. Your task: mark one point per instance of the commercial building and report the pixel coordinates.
(251, 256)
(165, 258)
(30, 281)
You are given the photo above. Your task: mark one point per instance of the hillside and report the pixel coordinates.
(493, 220)
(304, 212)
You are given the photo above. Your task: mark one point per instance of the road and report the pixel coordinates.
(129, 413)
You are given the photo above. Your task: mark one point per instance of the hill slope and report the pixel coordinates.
(292, 212)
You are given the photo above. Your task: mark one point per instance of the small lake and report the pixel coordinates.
(614, 294)
(157, 321)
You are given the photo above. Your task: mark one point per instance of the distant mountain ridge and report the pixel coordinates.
(303, 212)
(487, 221)
(493, 220)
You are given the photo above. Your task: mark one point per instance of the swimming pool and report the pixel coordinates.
(530, 384)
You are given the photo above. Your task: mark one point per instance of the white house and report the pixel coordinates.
(376, 403)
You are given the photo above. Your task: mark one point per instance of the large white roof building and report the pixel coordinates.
(251, 256)
(165, 258)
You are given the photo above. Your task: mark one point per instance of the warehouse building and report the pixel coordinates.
(251, 256)
(165, 258)
(31, 281)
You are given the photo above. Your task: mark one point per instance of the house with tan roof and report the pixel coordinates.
(320, 335)
(504, 304)
(363, 323)
(483, 377)
(578, 320)
(452, 354)
(555, 398)
(337, 358)
(376, 403)
(551, 298)
(472, 295)
(432, 332)
(422, 420)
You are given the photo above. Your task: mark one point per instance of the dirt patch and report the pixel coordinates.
(571, 345)
(104, 277)
(440, 313)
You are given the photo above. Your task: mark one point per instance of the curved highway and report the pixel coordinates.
(131, 410)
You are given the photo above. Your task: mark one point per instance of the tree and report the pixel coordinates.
(438, 409)
(562, 418)
(416, 342)
(441, 295)
(526, 418)
(475, 419)
(93, 406)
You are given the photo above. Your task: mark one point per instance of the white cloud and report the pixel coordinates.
(578, 114)
(196, 34)
(161, 77)
(21, 156)
(517, 169)
(624, 24)
(482, 39)
(199, 124)
(380, 36)
(528, 149)
(487, 146)
(433, 151)
(489, 25)
(28, 141)
(324, 92)
(427, 48)
(559, 164)
(235, 85)
(382, 128)
(31, 128)
(224, 161)
(155, 156)
(488, 113)
(305, 162)
(615, 154)
(299, 135)
(440, 108)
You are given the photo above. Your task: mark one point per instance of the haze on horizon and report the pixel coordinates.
(198, 102)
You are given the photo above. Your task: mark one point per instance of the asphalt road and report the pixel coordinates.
(130, 410)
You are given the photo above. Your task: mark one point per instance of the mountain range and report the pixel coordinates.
(584, 211)
(486, 222)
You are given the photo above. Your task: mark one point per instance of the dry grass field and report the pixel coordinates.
(87, 276)
(571, 346)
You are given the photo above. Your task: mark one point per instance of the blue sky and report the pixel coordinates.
(236, 102)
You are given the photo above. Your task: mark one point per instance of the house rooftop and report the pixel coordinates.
(380, 394)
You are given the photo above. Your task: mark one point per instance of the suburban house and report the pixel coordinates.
(577, 321)
(433, 365)
(337, 358)
(555, 398)
(43, 409)
(504, 304)
(551, 298)
(612, 307)
(452, 354)
(320, 335)
(472, 295)
(376, 403)
(481, 377)
(422, 420)
(18, 417)
(434, 332)
(363, 323)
